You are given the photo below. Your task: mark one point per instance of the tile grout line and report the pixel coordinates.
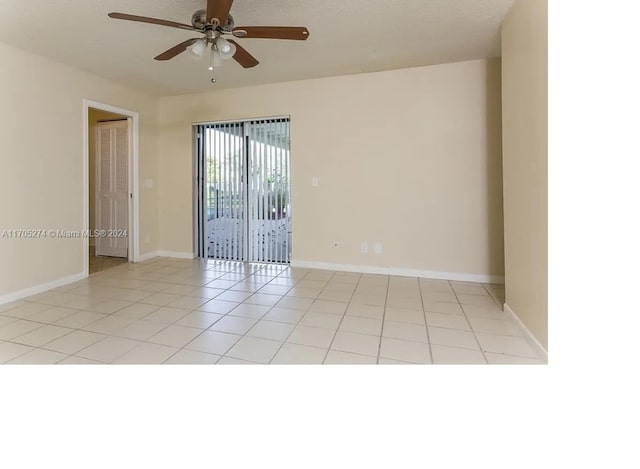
(343, 315)
(223, 355)
(294, 328)
(72, 330)
(146, 341)
(301, 317)
(470, 326)
(141, 342)
(189, 276)
(258, 320)
(108, 297)
(244, 264)
(115, 334)
(107, 335)
(426, 326)
(384, 314)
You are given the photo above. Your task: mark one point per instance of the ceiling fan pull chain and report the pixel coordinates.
(213, 62)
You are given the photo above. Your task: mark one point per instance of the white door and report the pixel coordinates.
(112, 211)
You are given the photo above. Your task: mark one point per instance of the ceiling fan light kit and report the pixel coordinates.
(214, 22)
(198, 48)
(225, 47)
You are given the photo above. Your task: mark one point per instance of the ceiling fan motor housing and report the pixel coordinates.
(199, 21)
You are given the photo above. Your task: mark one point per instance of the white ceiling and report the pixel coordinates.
(347, 36)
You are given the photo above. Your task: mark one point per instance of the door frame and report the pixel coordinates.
(133, 120)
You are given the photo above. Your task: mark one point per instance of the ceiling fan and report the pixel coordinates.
(215, 22)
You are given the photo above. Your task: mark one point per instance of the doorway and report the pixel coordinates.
(110, 176)
(108, 189)
(242, 197)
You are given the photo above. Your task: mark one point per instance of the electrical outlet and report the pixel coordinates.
(364, 248)
(147, 239)
(315, 182)
(377, 248)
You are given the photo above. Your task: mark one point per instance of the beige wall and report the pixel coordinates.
(524, 99)
(41, 163)
(95, 116)
(409, 158)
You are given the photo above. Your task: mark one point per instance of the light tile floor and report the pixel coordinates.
(204, 312)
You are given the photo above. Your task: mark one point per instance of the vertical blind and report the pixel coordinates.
(242, 199)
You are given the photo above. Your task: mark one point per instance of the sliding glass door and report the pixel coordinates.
(242, 191)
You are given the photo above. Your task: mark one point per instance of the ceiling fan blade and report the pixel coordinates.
(243, 57)
(275, 32)
(219, 9)
(145, 19)
(175, 50)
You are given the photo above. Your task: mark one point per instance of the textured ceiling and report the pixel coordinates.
(347, 36)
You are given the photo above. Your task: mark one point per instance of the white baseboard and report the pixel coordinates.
(147, 255)
(18, 295)
(401, 272)
(176, 254)
(537, 346)
(173, 254)
(364, 269)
